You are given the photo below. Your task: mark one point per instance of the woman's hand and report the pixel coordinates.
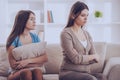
(22, 64)
(94, 57)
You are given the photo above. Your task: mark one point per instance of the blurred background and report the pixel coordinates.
(52, 15)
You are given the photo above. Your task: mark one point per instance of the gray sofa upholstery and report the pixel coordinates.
(109, 61)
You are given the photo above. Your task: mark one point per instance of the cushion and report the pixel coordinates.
(100, 48)
(4, 63)
(29, 51)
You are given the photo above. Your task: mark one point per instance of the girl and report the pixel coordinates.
(21, 35)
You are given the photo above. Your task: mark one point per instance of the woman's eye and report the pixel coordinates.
(83, 15)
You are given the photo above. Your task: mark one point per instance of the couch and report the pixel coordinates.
(109, 61)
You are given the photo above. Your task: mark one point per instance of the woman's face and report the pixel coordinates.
(30, 25)
(82, 18)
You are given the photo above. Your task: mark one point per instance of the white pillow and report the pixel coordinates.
(30, 51)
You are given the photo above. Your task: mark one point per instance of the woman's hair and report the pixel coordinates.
(75, 11)
(19, 25)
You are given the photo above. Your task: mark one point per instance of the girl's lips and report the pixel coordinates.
(85, 21)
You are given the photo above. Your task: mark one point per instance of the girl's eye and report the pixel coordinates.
(82, 15)
(32, 19)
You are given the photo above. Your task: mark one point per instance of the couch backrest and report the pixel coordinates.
(4, 63)
(112, 50)
(55, 57)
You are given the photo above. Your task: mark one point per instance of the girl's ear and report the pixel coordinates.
(73, 16)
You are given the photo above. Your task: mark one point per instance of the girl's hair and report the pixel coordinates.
(75, 11)
(19, 25)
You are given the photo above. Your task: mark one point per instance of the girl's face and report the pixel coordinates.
(82, 18)
(30, 25)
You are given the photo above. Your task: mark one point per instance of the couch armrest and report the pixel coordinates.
(3, 78)
(114, 73)
(111, 62)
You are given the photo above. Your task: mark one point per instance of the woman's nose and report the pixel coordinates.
(34, 21)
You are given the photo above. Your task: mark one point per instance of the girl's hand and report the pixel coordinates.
(22, 64)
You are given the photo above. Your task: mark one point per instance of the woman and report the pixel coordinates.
(78, 47)
(21, 35)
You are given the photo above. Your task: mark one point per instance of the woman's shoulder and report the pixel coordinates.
(66, 30)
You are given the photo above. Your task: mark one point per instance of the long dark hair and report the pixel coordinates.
(19, 25)
(75, 11)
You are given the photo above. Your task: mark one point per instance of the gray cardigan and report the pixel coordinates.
(75, 55)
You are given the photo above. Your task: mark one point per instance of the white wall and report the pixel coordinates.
(115, 10)
(4, 31)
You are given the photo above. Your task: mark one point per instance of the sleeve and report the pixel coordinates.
(70, 52)
(92, 49)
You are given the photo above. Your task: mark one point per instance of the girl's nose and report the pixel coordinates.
(85, 18)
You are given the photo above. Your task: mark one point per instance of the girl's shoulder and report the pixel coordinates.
(33, 34)
(35, 37)
(16, 42)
